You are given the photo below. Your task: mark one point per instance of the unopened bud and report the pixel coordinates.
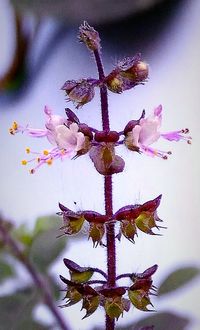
(89, 36)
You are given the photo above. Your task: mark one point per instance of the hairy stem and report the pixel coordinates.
(110, 228)
(38, 280)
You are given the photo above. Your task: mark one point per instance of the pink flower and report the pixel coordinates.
(147, 131)
(65, 136)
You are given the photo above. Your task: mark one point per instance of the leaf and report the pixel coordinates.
(177, 279)
(160, 321)
(23, 235)
(44, 223)
(16, 310)
(46, 247)
(6, 271)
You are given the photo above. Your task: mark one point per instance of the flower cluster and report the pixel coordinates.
(71, 139)
(130, 217)
(95, 293)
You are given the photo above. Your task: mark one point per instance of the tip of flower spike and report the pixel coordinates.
(89, 36)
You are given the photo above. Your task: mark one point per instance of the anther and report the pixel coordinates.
(24, 162)
(45, 152)
(49, 161)
(32, 171)
(28, 150)
(15, 125)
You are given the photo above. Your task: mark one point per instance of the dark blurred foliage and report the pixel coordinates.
(41, 247)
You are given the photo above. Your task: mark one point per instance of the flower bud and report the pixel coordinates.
(79, 92)
(89, 36)
(141, 289)
(128, 73)
(72, 293)
(105, 160)
(72, 222)
(143, 217)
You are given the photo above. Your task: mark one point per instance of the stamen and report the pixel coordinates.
(45, 152)
(24, 162)
(32, 171)
(28, 150)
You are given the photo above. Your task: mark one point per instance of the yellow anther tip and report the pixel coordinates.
(15, 125)
(49, 161)
(28, 150)
(24, 162)
(45, 152)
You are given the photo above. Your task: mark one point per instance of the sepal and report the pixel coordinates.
(78, 274)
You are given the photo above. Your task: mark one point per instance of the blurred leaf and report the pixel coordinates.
(16, 310)
(44, 223)
(6, 271)
(23, 235)
(177, 279)
(161, 321)
(45, 248)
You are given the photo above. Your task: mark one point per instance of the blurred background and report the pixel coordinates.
(39, 52)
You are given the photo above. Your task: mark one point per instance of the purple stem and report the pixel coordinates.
(38, 280)
(123, 276)
(110, 228)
